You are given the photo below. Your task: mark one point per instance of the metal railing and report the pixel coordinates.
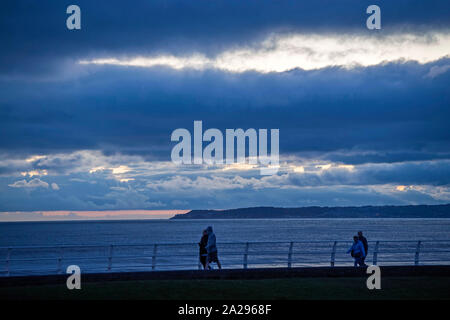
(27, 260)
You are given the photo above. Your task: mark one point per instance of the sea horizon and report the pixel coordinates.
(144, 214)
(214, 219)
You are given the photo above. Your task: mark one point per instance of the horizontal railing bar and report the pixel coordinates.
(264, 253)
(158, 266)
(222, 243)
(33, 259)
(163, 267)
(157, 256)
(253, 254)
(440, 260)
(58, 258)
(184, 255)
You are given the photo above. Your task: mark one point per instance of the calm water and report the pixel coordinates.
(104, 233)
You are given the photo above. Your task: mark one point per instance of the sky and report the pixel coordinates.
(86, 115)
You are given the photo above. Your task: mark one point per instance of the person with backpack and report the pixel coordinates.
(357, 252)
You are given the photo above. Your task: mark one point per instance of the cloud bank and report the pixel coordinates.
(86, 116)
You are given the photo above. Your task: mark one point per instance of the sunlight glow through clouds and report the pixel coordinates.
(348, 167)
(120, 169)
(34, 173)
(34, 158)
(280, 53)
(403, 188)
(299, 169)
(239, 166)
(324, 166)
(97, 169)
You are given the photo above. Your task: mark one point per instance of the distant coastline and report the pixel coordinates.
(410, 211)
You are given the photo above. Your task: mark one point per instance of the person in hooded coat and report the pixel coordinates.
(211, 249)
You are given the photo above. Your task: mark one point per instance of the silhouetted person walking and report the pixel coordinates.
(202, 249)
(211, 248)
(365, 244)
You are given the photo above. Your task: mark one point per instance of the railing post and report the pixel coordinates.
(110, 255)
(246, 255)
(199, 262)
(61, 251)
(8, 257)
(375, 253)
(416, 258)
(333, 254)
(291, 245)
(155, 249)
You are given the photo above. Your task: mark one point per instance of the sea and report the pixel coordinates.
(146, 245)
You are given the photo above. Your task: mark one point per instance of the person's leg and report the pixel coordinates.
(356, 262)
(361, 262)
(204, 261)
(218, 264)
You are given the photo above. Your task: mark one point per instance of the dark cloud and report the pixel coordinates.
(392, 110)
(35, 39)
(431, 173)
(361, 157)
